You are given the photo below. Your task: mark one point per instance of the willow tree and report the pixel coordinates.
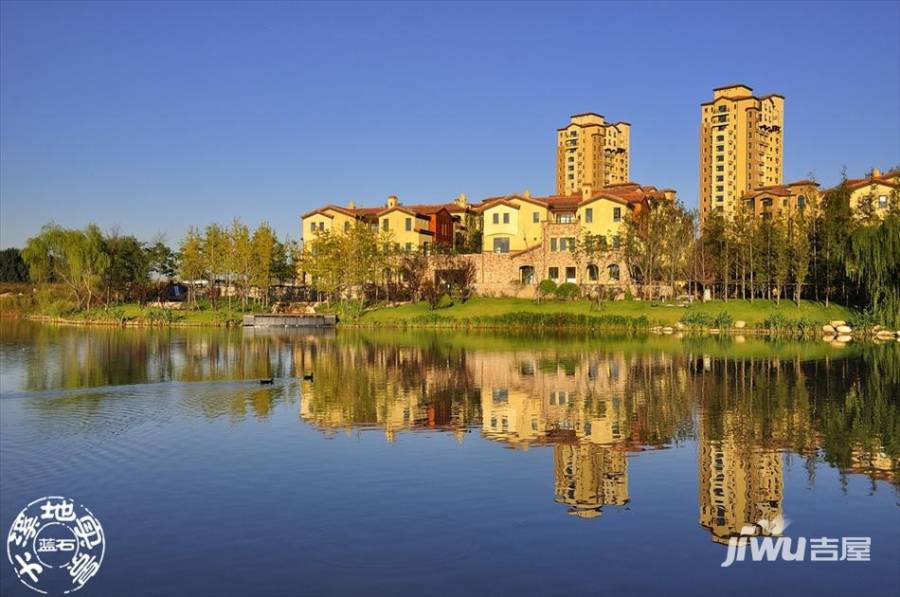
(873, 261)
(75, 258)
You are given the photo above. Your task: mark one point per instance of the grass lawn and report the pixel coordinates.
(753, 313)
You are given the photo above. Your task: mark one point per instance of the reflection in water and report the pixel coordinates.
(593, 401)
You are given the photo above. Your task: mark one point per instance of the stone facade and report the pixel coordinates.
(518, 273)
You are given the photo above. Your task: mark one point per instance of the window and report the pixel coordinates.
(617, 214)
(882, 201)
(408, 247)
(496, 218)
(720, 168)
(589, 215)
(321, 226)
(553, 273)
(570, 274)
(593, 272)
(346, 226)
(565, 218)
(506, 218)
(536, 217)
(312, 226)
(408, 224)
(720, 148)
(720, 158)
(720, 137)
(526, 274)
(501, 245)
(720, 189)
(613, 272)
(616, 243)
(385, 224)
(720, 178)
(499, 395)
(553, 244)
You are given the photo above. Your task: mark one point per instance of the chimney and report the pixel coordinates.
(586, 191)
(351, 205)
(392, 201)
(876, 172)
(462, 200)
(527, 194)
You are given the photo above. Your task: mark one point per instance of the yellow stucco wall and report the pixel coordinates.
(396, 222)
(603, 221)
(876, 190)
(521, 229)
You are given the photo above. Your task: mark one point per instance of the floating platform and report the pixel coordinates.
(287, 320)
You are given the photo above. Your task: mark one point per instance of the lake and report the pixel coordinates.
(452, 463)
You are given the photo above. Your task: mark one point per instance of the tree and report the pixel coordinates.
(193, 263)
(128, 271)
(75, 258)
(240, 260)
(799, 246)
(264, 246)
(215, 250)
(412, 271)
(162, 261)
(873, 259)
(12, 266)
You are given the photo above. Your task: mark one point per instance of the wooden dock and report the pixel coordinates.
(288, 320)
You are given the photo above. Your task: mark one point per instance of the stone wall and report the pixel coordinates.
(501, 274)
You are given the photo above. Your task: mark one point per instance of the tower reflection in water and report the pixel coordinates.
(748, 407)
(594, 408)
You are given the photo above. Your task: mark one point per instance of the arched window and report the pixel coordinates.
(593, 272)
(801, 201)
(613, 271)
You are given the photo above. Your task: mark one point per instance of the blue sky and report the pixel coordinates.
(153, 117)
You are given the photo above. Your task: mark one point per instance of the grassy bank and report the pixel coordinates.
(512, 312)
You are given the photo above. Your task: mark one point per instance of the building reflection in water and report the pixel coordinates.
(594, 402)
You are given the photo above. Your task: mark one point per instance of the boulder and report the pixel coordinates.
(844, 329)
(828, 328)
(838, 344)
(667, 330)
(838, 322)
(844, 339)
(828, 338)
(885, 334)
(740, 324)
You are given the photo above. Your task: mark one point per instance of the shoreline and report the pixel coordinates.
(677, 331)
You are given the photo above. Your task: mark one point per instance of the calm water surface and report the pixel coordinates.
(461, 464)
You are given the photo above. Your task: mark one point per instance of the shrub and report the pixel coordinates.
(698, 320)
(723, 320)
(444, 301)
(546, 288)
(567, 291)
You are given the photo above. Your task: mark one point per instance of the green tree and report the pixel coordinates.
(75, 258)
(12, 266)
(162, 261)
(263, 253)
(192, 266)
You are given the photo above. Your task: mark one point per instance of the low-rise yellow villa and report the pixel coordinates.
(875, 193)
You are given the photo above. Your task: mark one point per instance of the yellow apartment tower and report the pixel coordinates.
(741, 146)
(591, 152)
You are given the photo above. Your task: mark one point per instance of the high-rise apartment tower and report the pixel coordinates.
(591, 151)
(741, 146)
